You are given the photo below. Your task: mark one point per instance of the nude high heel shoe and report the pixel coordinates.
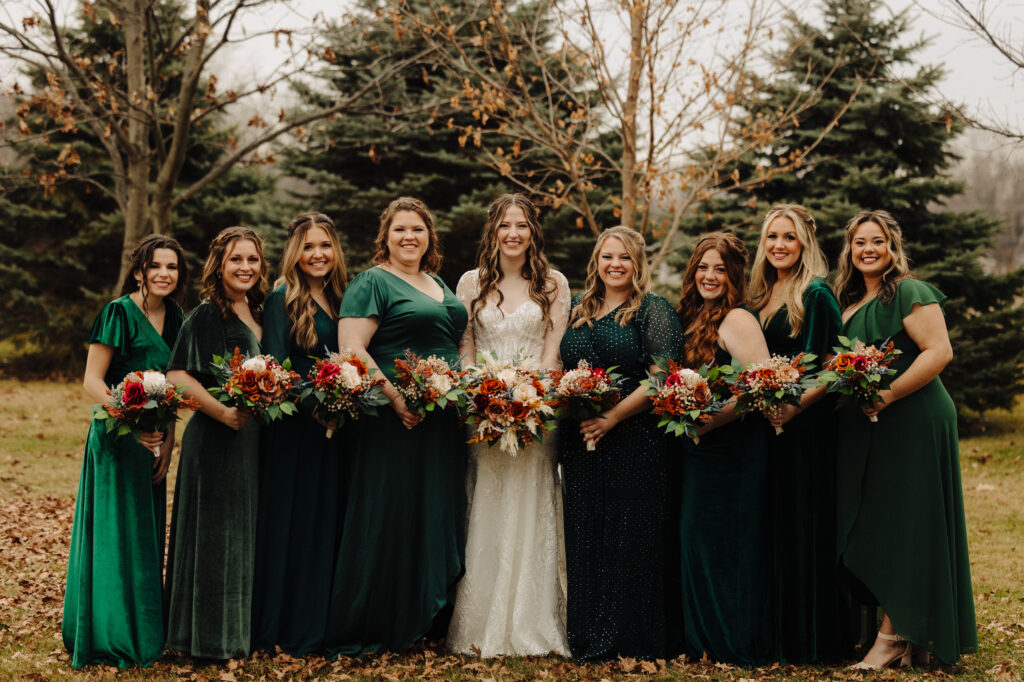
(904, 657)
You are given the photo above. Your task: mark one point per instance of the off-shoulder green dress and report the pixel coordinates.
(809, 616)
(113, 605)
(902, 534)
(213, 521)
(299, 502)
(404, 533)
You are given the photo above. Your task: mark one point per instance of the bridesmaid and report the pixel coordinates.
(113, 608)
(403, 537)
(300, 469)
(900, 477)
(799, 313)
(616, 529)
(724, 532)
(213, 524)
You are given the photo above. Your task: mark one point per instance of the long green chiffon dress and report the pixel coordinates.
(299, 503)
(902, 534)
(113, 605)
(809, 616)
(213, 521)
(725, 541)
(404, 533)
(617, 529)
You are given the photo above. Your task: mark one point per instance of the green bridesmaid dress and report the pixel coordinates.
(902, 534)
(404, 533)
(213, 522)
(299, 503)
(809, 616)
(113, 605)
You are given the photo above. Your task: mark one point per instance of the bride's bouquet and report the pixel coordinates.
(684, 398)
(342, 385)
(767, 386)
(143, 402)
(257, 383)
(428, 384)
(506, 403)
(858, 372)
(584, 392)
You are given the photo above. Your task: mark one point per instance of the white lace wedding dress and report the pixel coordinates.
(511, 601)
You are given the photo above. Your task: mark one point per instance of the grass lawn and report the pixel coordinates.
(42, 430)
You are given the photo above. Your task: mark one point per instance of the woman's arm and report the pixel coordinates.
(356, 333)
(208, 405)
(96, 365)
(465, 291)
(743, 339)
(560, 299)
(636, 402)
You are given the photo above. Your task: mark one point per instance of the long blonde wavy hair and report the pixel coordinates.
(850, 285)
(593, 289)
(298, 298)
(811, 265)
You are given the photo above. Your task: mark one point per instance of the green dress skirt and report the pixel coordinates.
(213, 522)
(902, 535)
(808, 608)
(300, 503)
(404, 533)
(113, 605)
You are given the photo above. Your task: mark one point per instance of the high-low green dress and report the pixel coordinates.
(809, 616)
(213, 522)
(299, 503)
(725, 541)
(113, 605)
(902, 534)
(404, 534)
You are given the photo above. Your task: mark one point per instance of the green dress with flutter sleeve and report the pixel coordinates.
(213, 521)
(300, 502)
(113, 604)
(902, 534)
(404, 533)
(809, 614)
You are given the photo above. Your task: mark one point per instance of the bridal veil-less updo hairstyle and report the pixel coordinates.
(298, 297)
(488, 257)
(850, 285)
(704, 316)
(593, 288)
(431, 261)
(812, 265)
(213, 287)
(141, 259)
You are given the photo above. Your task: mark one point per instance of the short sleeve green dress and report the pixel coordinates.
(725, 541)
(902, 534)
(299, 502)
(617, 529)
(213, 522)
(809, 617)
(404, 532)
(113, 604)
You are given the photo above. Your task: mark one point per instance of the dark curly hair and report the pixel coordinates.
(141, 259)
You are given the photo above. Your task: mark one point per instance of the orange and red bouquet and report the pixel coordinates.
(507, 403)
(427, 384)
(766, 387)
(684, 398)
(342, 385)
(257, 383)
(584, 392)
(143, 402)
(858, 371)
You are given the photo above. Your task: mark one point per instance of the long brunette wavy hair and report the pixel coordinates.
(298, 297)
(213, 288)
(535, 268)
(431, 260)
(140, 260)
(704, 316)
(593, 288)
(850, 286)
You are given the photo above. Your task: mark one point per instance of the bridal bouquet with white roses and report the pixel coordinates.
(257, 383)
(143, 402)
(342, 385)
(428, 384)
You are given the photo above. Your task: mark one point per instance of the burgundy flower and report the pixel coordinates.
(860, 363)
(134, 394)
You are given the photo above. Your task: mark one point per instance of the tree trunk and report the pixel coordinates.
(636, 62)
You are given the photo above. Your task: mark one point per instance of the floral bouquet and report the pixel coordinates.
(767, 386)
(143, 402)
(257, 383)
(583, 392)
(428, 384)
(858, 372)
(343, 386)
(507, 404)
(685, 398)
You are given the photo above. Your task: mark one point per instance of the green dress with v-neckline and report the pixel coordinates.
(113, 604)
(211, 557)
(902, 534)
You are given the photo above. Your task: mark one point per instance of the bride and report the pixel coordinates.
(511, 601)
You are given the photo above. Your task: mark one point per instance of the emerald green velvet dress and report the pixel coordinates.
(299, 503)
(902, 534)
(809, 616)
(404, 533)
(619, 542)
(725, 541)
(213, 522)
(113, 605)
